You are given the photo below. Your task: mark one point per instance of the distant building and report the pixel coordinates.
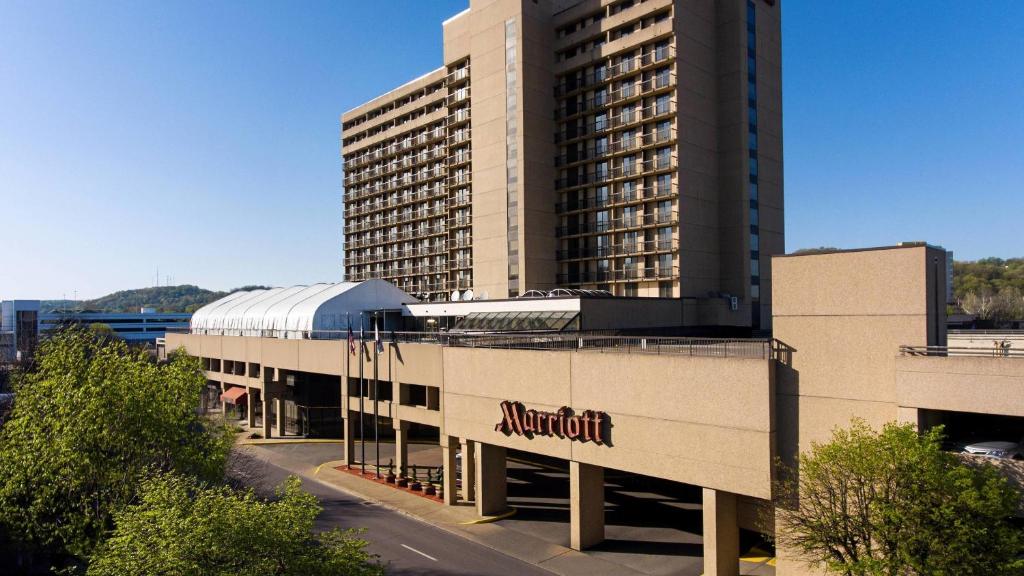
(19, 329)
(23, 322)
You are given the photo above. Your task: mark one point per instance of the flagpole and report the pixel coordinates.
(391, 382)
(362, 436)
(376, 393)
(344, 391)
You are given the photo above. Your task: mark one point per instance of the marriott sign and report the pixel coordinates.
(587, 426)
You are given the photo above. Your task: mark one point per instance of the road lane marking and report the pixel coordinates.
(428, 556)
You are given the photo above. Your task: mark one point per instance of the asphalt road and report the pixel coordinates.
(405, 545)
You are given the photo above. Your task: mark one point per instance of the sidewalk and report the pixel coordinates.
(460, 520)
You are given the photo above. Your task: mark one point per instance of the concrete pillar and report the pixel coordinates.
(279, 407)
(491, 477)
(268, 403)
(449, 447)
(349, 432)
(721, 534)
(401, 445)
(250, 406)
(586, 505)
(468, 470)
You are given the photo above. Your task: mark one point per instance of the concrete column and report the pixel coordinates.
(349, 430)
(401, 445)
(468, 470)
(721, 534)
(449, 447)
(250, 406)
(586, 505)
(267, 396)
(491, 477)
(279, 406)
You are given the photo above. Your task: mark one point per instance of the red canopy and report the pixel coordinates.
(234, 394)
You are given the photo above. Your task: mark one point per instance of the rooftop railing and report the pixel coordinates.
(756, 348)
(997, 350)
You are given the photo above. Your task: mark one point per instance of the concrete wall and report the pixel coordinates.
(961, 383)
(844, 316)
(667, 414)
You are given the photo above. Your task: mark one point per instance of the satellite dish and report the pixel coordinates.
(468, 294)
(455, 295)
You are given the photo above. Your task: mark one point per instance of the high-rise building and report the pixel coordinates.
(633, 146)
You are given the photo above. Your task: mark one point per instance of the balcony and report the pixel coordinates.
(611, 72)
(632, 170)
(639, 248)
(622, 145)
(618, 198)
(618, 224)
(623, 275)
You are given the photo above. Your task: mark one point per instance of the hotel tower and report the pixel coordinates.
(632, 146)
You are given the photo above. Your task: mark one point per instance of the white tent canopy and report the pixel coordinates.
(298, 311)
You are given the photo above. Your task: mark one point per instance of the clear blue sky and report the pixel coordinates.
(202, 137)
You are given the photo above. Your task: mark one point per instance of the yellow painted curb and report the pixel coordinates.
(489, 519)
(758, 556)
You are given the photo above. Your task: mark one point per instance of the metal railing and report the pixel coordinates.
(987, 332)
(758, 348)
(996, 351)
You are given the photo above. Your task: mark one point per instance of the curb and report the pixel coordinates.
(489, 519)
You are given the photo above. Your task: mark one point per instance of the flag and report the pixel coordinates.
(351, 341)
(376, 338)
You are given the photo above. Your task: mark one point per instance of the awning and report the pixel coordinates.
(234, 394)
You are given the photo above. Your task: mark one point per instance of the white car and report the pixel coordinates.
(996, 449)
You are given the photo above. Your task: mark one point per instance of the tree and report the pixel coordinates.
(183, 527)
(894, 503)
(103, 332)
(88, 426)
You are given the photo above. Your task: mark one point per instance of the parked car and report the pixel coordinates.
(997, 449)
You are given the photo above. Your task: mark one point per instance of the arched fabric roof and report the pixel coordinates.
(201, 318)
(217, 318)
(298, 311)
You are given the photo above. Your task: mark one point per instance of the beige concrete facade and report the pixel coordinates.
(633, 146)
(717, 421)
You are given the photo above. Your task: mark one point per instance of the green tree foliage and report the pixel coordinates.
(895, 504)
(103, 332)
(184, 298)
(184, 528)
(987, 276)
(818, 250)
(89, 424)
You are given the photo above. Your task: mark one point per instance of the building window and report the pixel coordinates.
(664, 184)
(629, 216)
(663, 157)
(664, 131)
(661, 78)
(629, 190)
(661, 104)
(665, 289)
(629, 289)
(665, 238)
